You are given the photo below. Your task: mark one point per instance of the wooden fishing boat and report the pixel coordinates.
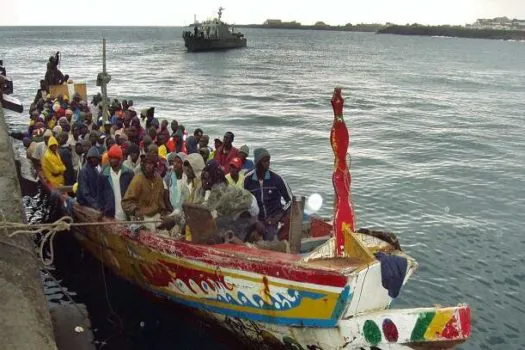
(336, 296)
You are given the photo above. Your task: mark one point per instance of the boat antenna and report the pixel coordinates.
(220, 12)
(102, 80)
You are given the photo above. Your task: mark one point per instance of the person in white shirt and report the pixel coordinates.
(114, 181)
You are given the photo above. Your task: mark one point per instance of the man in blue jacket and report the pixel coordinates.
(114, 181)
(268, 188)
(87, 193)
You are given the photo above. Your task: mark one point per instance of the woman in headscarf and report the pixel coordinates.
(52, 166)
(193, 165)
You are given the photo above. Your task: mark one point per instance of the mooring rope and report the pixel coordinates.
(49, 231)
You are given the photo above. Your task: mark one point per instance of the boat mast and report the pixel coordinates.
(102, 80)
(346, 242)
(220, 13)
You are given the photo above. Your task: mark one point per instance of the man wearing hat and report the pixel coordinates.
(88, 184)
(114, 182)
(268, 188)
(235, 177)
(144, 197)
(247, 164)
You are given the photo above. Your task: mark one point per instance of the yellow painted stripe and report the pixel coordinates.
(438, 323)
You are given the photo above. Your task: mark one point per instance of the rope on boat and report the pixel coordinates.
(49, 230)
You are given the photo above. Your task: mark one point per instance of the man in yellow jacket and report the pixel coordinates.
(52, 166)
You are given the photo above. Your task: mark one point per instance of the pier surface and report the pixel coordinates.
(25, 322)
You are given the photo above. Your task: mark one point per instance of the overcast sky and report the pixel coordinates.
(180, 12)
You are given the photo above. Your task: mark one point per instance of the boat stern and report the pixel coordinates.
(419, 328)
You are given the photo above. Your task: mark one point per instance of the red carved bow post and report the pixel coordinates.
(341, 179)
(346, 243)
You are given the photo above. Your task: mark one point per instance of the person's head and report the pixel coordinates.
(212, 174)
(198, 134)
(235, 166)
(107, 127)
(161, 139)
(134, 152)
(178, 163)
(149, 165)
(205, 153)
(93, 156)
(193, 165)
(261, 159)
(78, 148)
(101, 139)
(127, 119)
(153, 149)
(204, 141)
(84, 130)
(93, 137)
(115, 157)
(47, 134)
(62, 138)
(132, 132)
(244, 152)
(174, 126)
(217, 143)
(110, 141)
(152, 133)
(176, 160)
(228, 139)
(85, 146)
(150, 113)
(147, 142)
(164, 124)
(52, 143)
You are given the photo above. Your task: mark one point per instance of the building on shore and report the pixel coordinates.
(502, 23)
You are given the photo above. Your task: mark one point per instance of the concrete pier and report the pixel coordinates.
(25, 322)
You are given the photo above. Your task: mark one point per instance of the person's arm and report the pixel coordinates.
(285, 191)
(130, 199)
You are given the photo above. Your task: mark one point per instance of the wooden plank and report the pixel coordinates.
(69, 90)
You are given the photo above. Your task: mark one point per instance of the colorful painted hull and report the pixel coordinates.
(272, 298)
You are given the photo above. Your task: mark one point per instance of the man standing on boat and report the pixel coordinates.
(114, 182)
(268, 188)
(226, 152)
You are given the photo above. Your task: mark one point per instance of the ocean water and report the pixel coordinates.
(437, 136)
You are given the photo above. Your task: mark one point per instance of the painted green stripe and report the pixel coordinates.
(423, 321)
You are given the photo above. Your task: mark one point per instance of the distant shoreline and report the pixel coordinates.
(370, 28)
(454, 31)
(414, 29)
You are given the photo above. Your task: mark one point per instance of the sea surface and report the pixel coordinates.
(437, 137)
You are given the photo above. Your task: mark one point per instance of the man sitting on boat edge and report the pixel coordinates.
(144, 198)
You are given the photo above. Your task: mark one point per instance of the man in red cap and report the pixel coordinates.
(114, 181)
(235, 177)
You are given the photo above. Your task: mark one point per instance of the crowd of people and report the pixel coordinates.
(131, 165)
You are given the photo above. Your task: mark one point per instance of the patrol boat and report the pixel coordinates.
(213, 35)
